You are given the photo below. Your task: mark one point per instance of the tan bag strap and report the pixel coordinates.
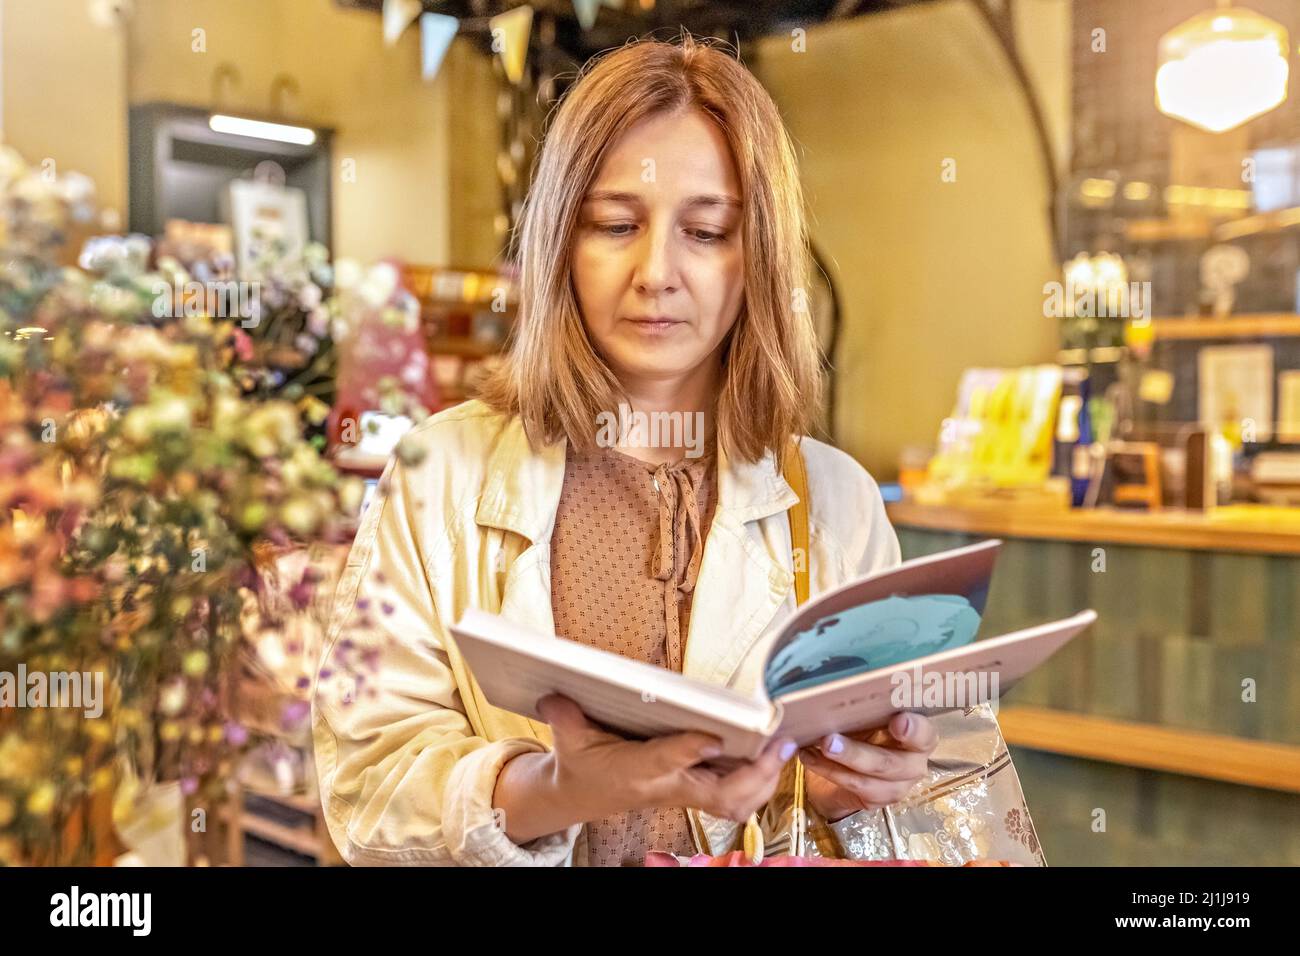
(796, 476)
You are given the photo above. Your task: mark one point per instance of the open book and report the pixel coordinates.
(847, 660)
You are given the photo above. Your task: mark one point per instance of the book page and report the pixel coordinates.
(950, 680)
(921, 607)
(871, 636)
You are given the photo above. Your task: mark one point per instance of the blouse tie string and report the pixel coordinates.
(679, 517)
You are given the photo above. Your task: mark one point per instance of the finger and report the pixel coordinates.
(753, 783)
(885, 763)
(914, 732)
(767, 764)
(733, 793)
(875, 735)
(555, 707)
(723, 765)
(884, 736)
(872, 792)
(569, 725)
(679, 751)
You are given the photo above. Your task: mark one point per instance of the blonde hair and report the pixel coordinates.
(552, 377)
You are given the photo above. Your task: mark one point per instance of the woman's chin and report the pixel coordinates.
(652, 361)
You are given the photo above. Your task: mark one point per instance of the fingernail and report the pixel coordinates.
(710, 751)
(908, 724)
(787, 749)
(835, 744)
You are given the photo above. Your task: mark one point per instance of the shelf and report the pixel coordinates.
(1178, 229)
(1251, 763)
(1236, 528)
(300, 840)
(1248, 325)
(1101, 355)
(293, 801)
(1203, 227)
(452, 288)
(306, 836)
(1264, 222)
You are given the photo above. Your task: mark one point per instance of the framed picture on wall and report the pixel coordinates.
(268, 221)
(1236, 388)
(1288, 400)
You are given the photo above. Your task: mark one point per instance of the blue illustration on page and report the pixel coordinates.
(878, 634)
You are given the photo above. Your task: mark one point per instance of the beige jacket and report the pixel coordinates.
(407, 748)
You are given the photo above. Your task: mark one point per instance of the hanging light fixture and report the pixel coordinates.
(1222, 68)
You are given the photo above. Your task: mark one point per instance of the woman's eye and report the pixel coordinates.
(616, 228)
(706, 236)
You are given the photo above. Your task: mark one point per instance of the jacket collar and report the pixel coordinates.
(741, 584)
(521, 491)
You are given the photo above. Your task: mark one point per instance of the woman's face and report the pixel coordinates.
(658, 260)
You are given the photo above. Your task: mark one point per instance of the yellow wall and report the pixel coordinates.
(476, 200)
(67, 84)
(63, 96)
(935, 277)
(391, 124)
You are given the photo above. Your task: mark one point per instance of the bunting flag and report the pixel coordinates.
(398, 15)
(586, 11)
(436, 31)
(510, 33)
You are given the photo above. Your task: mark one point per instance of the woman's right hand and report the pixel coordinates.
(591, 773)
(668, 771)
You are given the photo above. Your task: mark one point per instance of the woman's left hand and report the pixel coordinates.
(871, 769)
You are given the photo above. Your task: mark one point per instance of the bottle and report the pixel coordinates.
(1074, 434)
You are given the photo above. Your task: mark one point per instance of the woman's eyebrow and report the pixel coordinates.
(704, 199)
(713, 200)
(609, 195)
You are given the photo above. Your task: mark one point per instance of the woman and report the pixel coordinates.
(662, 268)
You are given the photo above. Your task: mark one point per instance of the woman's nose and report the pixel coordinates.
(655, 271)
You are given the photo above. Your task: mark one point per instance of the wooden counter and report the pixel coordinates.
(1252, 529)
(1189, 606)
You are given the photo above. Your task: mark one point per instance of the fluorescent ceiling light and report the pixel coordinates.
(258, 129)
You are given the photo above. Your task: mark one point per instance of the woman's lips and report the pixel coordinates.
(655, 324)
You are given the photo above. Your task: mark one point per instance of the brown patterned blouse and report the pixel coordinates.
(626, 550)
